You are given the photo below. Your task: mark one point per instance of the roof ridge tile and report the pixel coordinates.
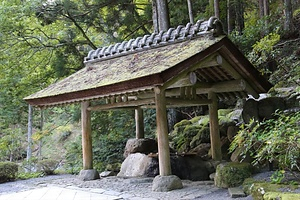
(200, 28)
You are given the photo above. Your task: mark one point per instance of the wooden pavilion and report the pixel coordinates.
(185, 66)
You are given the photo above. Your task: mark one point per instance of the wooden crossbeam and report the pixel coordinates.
(126, 104)
(187, 102)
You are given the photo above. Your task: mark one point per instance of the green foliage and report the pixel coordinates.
(265, 190)
(11, 144)
(277, 176)
(8, 171)
(29, 175)
(275, 139)
(265, 45)
(29, 165)
(48, 166)
(73, 158)
(263, 51)
(110, 135)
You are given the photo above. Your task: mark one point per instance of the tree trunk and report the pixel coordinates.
(288, 24)
(261, 8)
(155, 16)
(190, 8)
(163, 15)
(266, 8)
(230, 16)
(240, 16)
(41, 129)
(29, 132)
(217, 8)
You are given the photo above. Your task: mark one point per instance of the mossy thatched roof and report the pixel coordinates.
(142, 64)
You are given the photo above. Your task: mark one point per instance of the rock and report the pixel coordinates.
(250, 110)
(236, 192)
(237, 157)
(166, 183)
(195, 169)
(185, 167)
(224, 148)
(236, 116)
(231, 174)
(143, 145)
(202, 150)
(152, 169)
(231, 132)
(281, 195)
(114, 167)
(135, 165)
(88, 175)
(212, 176)
(203, 136)
(268, 191)
(107, 173)
(268, 106)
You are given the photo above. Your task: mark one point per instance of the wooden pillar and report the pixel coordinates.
(139, 123)
(162, 133)
(86, 137)
(214, 127)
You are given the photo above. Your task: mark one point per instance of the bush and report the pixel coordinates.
(8, 171)
(275, 139)
(48, 166)
(29, 175)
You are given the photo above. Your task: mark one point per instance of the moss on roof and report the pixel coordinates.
(127, 67)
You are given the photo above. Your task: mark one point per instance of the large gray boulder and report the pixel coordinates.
(268, 106)
(250, 111)
(185, 167)
(143, 145)
(135, 165)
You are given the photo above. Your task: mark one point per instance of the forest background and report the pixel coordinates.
(42, 42)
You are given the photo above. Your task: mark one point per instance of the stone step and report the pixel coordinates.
(236, 192)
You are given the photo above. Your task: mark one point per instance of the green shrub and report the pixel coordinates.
(275, 139)
(48, 166)
(8, 171)
(24, 176)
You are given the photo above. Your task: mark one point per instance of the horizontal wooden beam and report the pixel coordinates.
(187, 102)
(126, 104)
(187, 80)
(204, 88)
(210, 61)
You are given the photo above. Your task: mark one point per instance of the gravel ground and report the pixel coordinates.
(133, 188)
(128, 187)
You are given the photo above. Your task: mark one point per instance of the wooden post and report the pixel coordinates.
(139, 123)
(162, 133)
(86, 136)
(214, 127)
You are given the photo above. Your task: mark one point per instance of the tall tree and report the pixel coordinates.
(163, 15)
(235, 16)
(288, 9)
(217, 8)
(261, 8)
(230, 16)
